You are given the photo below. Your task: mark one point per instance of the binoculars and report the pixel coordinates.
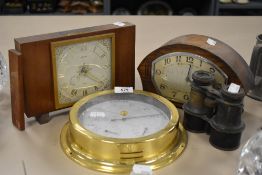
(215, 112)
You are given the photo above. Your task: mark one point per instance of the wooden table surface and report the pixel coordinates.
(36, 151)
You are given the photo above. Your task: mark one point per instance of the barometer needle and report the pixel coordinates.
(112, 132)
(124, 118)
(145, 130)
(134, 117)
(103, 110)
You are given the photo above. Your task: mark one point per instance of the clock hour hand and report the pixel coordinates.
(85, 71)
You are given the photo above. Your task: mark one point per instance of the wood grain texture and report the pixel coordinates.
(37, 63)
(225, 57)
(16, 85)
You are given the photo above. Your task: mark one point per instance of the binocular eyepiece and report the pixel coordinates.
(215, 112)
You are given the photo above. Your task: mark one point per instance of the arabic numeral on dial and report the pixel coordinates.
(178, 59)
(96, 88)
(163, 86)
(63, 98)
(106, 43)
(73, 92)
(167, 61)
(60, 94)
(59, 51)
(102, 56)
(85, 92)
(107, 85)
(106, 66)
(158, 72)
(212, 70)
(190, 60)
(186, 97)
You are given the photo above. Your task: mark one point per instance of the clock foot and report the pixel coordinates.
(43, 119)
(17, 89)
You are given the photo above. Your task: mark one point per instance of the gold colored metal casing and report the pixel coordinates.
(113, 155)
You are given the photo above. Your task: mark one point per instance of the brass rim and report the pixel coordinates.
(78, 156)
(117, 155)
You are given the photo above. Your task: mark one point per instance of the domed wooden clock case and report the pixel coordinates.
(168, 70)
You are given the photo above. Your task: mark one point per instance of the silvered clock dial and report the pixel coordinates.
(82, 66)
(172, 74)
(124, 118)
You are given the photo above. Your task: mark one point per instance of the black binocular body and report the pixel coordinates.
(215, 112)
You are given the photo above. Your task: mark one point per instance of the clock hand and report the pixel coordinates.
(123, 118)
(189, 73)
(145, 130)
(85, 70)
(111, 132)
(134, 117)
(94, 78)
(103, 110)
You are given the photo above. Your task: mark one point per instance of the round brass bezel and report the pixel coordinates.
(114, 155)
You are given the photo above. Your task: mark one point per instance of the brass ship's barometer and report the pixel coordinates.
(110, 132)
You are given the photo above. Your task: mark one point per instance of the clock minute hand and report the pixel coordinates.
(188, 73)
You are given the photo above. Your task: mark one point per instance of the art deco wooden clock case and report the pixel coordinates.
(52, 71)
(168, 70)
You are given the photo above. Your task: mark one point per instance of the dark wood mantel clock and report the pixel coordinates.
(168, 70)
(52, 71)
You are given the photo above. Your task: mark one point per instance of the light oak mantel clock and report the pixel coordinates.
(52, 71)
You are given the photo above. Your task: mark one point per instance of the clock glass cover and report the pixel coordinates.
(172, 74)
(124, 116)
(110, 132)
(81, 67)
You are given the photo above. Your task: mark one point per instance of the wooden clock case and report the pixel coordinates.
(31, 75)
(224, 56)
